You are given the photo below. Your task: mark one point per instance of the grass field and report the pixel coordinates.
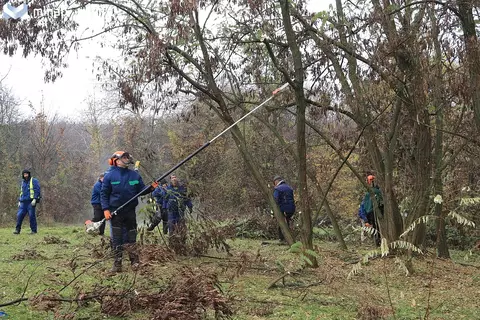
(62, 273)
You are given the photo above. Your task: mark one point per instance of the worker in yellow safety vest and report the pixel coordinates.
(28, 199)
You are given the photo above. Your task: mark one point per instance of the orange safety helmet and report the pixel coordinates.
(117, 155)
(370, 179)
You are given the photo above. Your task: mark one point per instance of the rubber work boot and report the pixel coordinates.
(165, 228)
(117, 266)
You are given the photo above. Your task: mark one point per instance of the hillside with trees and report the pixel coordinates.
(389, 88)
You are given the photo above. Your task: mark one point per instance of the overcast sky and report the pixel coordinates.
(67, 95)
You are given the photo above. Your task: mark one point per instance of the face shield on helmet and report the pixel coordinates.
(122, 156)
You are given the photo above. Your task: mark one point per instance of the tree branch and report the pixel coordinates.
(130, 12)
(194, 83)
(446, 5)
(187, 56)
(276, 64)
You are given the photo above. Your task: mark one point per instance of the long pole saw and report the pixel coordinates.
(96, 225)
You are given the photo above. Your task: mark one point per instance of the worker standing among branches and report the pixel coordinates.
(367, 213)
(283, 195)
(176, 201)
(119, 186)
(96, 204)
(161, 214)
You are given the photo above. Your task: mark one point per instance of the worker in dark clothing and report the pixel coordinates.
(283, 195)
(29, 197)
(366, 212)
(119, 186)
(96, 204)
(175, 201)
(161, 214)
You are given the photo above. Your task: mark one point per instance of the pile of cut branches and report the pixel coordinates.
(189, 296)
(257, 226)
(201, 235)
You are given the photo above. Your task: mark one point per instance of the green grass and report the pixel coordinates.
(30, 266)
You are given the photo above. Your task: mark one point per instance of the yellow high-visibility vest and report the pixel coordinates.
(32, 193)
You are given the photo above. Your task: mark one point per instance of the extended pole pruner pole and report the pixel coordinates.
(181, 163)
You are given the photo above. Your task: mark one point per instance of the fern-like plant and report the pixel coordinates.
(299, 249)
(383, 251)
(407, 246)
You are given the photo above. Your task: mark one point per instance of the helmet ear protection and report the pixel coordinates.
(113, 159)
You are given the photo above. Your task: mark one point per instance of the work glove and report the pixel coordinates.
(107, 214)
(154, 184)
(34, 202)
(19, 204)
(368, 225)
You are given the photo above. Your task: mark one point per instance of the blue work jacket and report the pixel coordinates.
(119, 186)
(283, 195)
(175, 199)
(97, 188)
(30, 189)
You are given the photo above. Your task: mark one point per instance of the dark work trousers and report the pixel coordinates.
(371, 220)
(125, 220)
(164, 214)
(160, 216)
(98, 216)
(288, 220)
(177, 226)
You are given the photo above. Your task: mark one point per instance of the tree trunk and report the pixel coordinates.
(410, 58)
(465, 10)
(423, 169)
(391, 224)
(301, 143)
(439, 104)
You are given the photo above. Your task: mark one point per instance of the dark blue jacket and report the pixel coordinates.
(25, 195)
(283, 195)
(175, 199)
(159, 194)
(97, 188)
(119, 186)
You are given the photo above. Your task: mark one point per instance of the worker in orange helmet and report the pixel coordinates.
(367, 212)
(119, 186)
